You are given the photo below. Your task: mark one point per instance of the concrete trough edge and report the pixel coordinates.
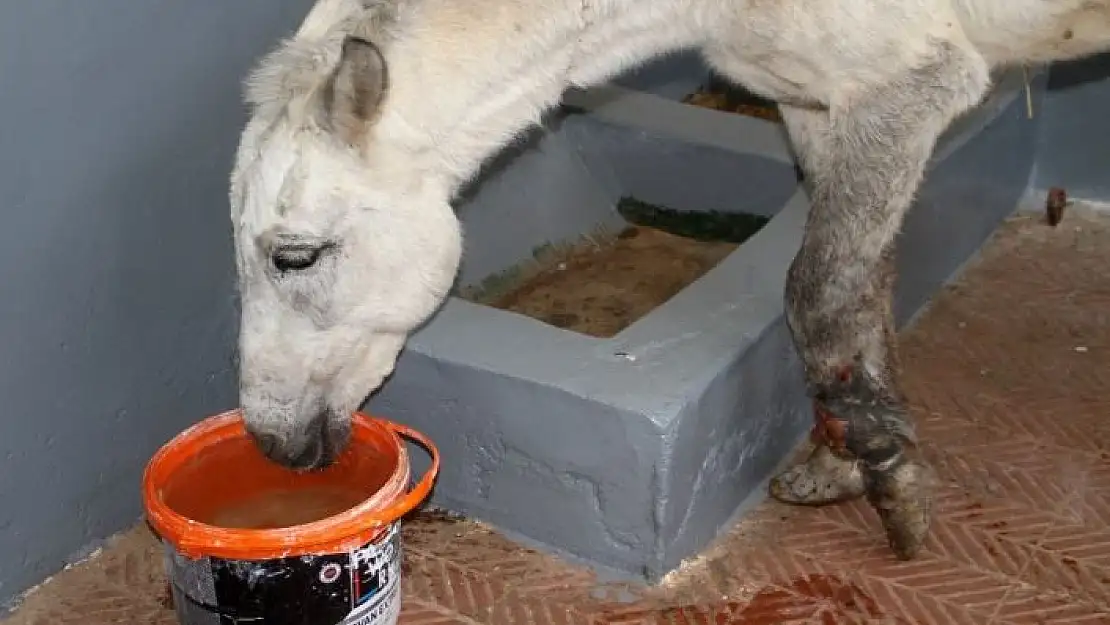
(442, 341)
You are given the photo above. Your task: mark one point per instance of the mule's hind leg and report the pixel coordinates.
(865, 166)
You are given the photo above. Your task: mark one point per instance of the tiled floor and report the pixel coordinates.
(1009, 371)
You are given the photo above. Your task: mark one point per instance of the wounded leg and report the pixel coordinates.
(865, 163)
(826, 476)
(866, 421)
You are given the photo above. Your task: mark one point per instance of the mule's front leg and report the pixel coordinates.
(828, 475)
(865, 164)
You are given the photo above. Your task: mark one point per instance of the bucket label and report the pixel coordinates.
(361, 587)
(375, 581)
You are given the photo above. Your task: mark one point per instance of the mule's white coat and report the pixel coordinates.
(464, 77)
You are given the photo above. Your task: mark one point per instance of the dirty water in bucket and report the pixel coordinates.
(286, 507)
(246, 541)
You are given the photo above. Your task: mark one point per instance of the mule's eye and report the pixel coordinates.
(296, 257)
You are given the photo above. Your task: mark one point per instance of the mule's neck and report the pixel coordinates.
(466, 76)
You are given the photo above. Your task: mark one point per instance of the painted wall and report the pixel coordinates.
(1074, 146)
(117, 311)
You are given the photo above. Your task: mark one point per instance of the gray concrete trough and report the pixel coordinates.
(632, 452)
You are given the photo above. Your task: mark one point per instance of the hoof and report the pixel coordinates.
(903, 497)
(822, 479)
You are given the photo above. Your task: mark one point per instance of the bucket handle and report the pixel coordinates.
(420, 490)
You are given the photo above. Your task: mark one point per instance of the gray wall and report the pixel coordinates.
(1074, 146)
(117, 314)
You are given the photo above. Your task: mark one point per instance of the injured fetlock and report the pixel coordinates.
(821, 479)
(874, 428)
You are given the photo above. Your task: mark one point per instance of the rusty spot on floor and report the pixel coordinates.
(1055, 204)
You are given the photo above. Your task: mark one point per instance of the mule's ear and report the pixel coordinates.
(354, 90)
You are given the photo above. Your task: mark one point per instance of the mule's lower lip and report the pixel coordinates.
(316, 454)
(314, 462)
(315, 446)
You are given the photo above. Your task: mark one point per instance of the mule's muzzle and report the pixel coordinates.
(316, 446)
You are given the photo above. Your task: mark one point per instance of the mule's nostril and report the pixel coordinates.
(268, 444)
(321, 450)
(291, 454)
(314, 445)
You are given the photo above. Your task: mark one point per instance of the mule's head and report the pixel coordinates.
(342, 248)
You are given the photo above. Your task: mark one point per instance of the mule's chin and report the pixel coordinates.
(317, 448)
(310, 456)
(318, 463)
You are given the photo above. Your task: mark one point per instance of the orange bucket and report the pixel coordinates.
(342, 569)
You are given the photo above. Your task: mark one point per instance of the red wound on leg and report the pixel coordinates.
(844, 374)
(832, 429)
